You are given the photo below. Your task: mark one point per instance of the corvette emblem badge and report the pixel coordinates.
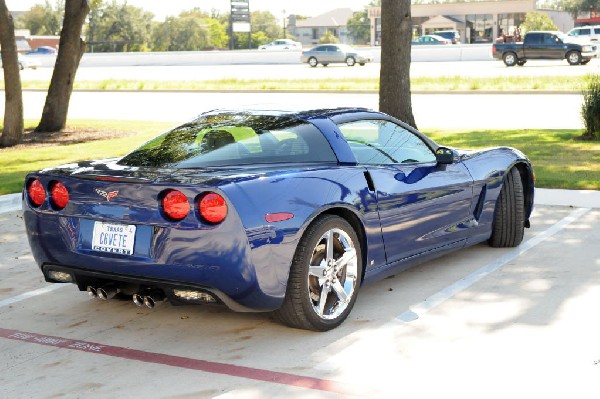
(106, 195)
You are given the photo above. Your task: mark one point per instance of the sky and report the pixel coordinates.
(162, 8)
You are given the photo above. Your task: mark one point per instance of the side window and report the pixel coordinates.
(584, 32)
(533, 38)
(597, 31)
(377, 142)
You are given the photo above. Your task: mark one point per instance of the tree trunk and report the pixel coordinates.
(394, 78)
(13, 106)
(70, 51)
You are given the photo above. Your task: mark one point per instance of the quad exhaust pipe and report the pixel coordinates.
(150, 299)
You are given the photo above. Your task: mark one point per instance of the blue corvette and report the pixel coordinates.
(289, 212)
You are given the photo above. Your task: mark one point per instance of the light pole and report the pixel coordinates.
(283, 24)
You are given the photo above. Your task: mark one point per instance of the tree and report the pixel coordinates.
(13, 107)
(328, 37)
(192, 30)
(120, 27)
(576, 7)
(359, 27)
(537, 20)
(70, 50)
(394, 76)
(42, 19)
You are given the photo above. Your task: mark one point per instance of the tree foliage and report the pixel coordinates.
(590, 109)
(537, 20)
(359, 27)
(120, 27)
(576, 7)
(44, 20)
(328, 37)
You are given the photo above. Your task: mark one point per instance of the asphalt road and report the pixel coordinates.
(447, 111)
(296, 70)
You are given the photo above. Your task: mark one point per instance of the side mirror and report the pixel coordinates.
(444, 156)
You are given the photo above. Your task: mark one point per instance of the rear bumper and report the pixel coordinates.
(216, 261)
(132, 284)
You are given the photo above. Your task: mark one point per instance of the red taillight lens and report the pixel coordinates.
(175, 205)
(37, 193)
(213, 208)
(59, 195)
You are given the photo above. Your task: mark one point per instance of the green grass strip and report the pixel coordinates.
(440, 83)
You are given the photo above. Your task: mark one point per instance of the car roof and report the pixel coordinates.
(298, 114)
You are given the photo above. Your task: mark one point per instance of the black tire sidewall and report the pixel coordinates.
(298, 280)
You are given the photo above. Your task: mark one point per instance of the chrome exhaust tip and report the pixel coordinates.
(92, 291)
(138, 299)
(107, 292)
(153, 299)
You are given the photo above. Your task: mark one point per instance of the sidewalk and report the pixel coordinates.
(543, 196)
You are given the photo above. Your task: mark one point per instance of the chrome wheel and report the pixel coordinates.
(332, 274)
(312, 61)
(325, 276)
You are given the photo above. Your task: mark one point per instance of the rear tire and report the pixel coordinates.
(324, 278)
(350, 61)
(312, 61)
(510, 59)
(509, 215)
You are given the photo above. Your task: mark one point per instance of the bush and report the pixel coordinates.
(590, 110)
(328, 37)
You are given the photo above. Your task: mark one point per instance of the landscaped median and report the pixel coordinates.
(425, 84)
(559, 160)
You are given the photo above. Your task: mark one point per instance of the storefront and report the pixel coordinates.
(476, 21)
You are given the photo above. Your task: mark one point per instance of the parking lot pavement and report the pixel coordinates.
(500, 321)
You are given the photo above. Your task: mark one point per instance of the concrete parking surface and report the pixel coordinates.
(479, 322)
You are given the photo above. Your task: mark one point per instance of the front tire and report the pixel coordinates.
(574, 58)
(350, 61)
(510, 59)
(312, 61)
(509, 215)
(324, 278)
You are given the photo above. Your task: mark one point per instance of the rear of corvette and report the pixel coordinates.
(111, 234)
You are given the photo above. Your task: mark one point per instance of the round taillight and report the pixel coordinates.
(59, 195)
(175, 205)
(37, 192)
(213, 208)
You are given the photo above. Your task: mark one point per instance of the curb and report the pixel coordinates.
(10, 203)
(543, 196)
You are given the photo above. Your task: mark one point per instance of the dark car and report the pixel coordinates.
(544, 45)
(42, 50)
(289, 212)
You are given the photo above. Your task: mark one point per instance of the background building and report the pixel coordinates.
(309, 31)
(476, 21)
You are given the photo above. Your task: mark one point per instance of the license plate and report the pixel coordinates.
(113, 238)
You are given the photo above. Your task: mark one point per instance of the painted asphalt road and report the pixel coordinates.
(525, 328)
(303, 71)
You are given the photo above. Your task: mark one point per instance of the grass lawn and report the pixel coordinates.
(559, 160)
(429, 83)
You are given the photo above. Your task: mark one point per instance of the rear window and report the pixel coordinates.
(234, 139)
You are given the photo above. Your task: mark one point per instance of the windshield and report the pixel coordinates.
(234, 139)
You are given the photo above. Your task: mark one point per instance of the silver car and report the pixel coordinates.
(325, 54)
